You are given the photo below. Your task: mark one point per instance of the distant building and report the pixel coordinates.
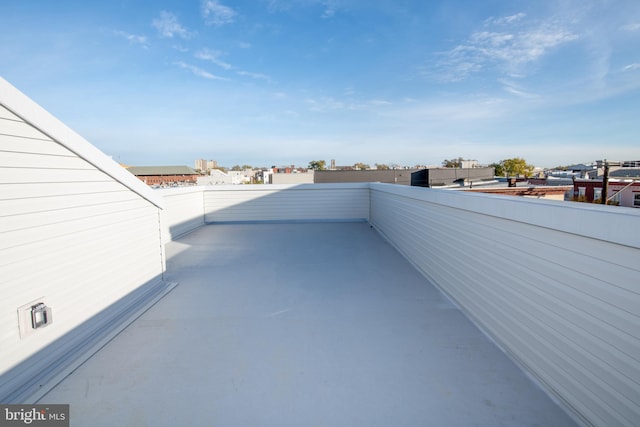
(623, 188)
(305, 177)
(464, 164)
(390, 176)
(285, 175)
(165, 176)
(201, 165)
(557, 192)
(622, 164)
(218, 177)
(205, 166)
(581, 169)
(564, 176)
(287, 169)
(551, 181)
(444, 177)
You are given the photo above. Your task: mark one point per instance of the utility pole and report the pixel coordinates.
(605, 183)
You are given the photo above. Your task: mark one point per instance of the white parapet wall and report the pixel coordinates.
(303, 202)
(556, 284)
(188, 208)
(183, 212)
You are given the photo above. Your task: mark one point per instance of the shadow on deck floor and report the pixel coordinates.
(300, 325)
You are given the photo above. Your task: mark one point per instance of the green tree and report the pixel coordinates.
(381, 166)
(361, 166)
(517, 166)
(513, 167)
(453, 163)
(317, 165)
(498, 169)
(236, 168)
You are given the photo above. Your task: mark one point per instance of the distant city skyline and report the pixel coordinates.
(290, 81)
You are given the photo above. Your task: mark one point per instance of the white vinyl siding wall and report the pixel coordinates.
(556, 285)
(183, 211)
(71, 235)
(304, 202)
(191, 207)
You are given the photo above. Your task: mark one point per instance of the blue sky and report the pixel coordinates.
(279, 82)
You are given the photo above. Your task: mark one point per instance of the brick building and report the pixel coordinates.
(165, 175)
(623, 188)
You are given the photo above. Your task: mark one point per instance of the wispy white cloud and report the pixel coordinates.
(505, 19)
(632, 27)
(215, 13)
(198, 71)
(326, 104)
(531, 45)
(328, 13)
(254, 75)
(631, 67)
(451, 112)
(134, 38)
(516, 90)
(214, 57)
(349, 91)
(168, 26)
(275, 6)
(495, 40)
(330, 8)
(379, 102)
(509, 48)
(291, 113)
(181, 48)
(453, 66)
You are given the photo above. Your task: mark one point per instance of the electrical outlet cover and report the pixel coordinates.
(24, 318)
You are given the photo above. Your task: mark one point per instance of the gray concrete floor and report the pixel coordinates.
(300, 325)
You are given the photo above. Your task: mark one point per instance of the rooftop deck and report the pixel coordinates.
(307, 316)
(300, 324)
